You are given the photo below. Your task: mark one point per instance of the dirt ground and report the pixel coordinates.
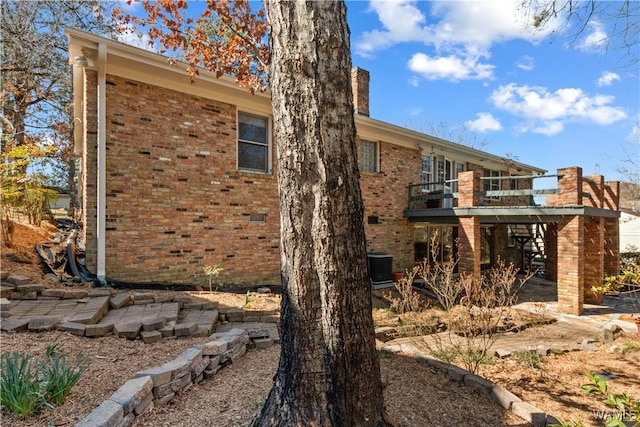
(415, 396)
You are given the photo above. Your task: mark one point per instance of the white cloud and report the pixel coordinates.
(450, 67)
(596, 39)
(484, 122)
(460, 32)
(607, 78)
(547, 112)
(526, 63)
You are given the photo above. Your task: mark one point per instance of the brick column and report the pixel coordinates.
(469, 186)
(551, 251)
(593, 256)
(593, 191)
(571, 264)
(469, 235)
(611, 195)
(569, 186)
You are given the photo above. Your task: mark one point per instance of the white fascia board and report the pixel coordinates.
(152, 68)
(377, 130)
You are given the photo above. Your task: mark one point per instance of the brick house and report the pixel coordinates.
(177, 175)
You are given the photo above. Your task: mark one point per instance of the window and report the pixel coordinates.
(426, 173)
(253, 143)
(368, 156)
(492, 184)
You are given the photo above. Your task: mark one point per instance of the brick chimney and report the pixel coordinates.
(360, 88)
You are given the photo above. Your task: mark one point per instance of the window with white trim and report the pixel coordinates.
(369, 156)
(426, 173)
(494, 183)
(253, 143)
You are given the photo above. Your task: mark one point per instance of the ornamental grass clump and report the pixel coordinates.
(29, 384)
(20, 388)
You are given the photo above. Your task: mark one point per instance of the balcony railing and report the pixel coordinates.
(433, 195)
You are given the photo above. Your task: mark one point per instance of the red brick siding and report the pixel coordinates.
(385, 196)
(593, 255)
(175, 201)
(571, 265)
(469, 235)
(611, 246)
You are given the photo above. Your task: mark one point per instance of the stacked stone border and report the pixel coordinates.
(157, 386)
(504, 397)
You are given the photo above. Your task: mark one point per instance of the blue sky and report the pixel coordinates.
(549, 99)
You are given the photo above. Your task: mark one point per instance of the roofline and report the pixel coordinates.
(225, 89)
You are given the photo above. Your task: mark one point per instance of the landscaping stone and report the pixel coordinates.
(30, 287)
(160, 375)
(108, 414)
(609, 332)
(457, 374)
(4, 275)
(72, 327)
(42, 323)
(263, 342)
(481, 384)
(6, 290)
(184, 329)
(153, 323)
(543, 350)
(75, 293)
(502, 353)
(150, 336)
(127, 330)
(53, 293)
(167, 330)
(162, 298)
(235, 314)
(98, 329)
(99, 293)
(128, 420)
(18, 280)
(503, 396)
(143, 301)
(131, 393)
(164, 400)
(14, 325)
(529, 413)
(24, 295)
(120, 300)
(588, 345)
(264, 290)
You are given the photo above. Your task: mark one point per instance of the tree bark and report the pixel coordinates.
(329, 373)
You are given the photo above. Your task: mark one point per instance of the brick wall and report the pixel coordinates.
(469, 235)
(174, 199)
(505, 184)
(571, 264)
(551, 251)
(611, 246)
(569, 187)
(385, 197)
(593, 256)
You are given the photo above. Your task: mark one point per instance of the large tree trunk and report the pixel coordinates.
(329, 373)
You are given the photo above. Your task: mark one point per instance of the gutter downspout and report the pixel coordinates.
(101, 163)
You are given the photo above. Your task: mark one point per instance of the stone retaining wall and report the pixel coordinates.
(504, 397)
(157, 386)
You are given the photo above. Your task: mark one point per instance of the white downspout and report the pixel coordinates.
(102, 162)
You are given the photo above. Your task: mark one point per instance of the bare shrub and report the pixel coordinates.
(474, 308)
(409, 299)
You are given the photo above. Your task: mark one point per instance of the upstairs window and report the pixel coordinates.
(494, 183)
(369, 156)
(253, 143)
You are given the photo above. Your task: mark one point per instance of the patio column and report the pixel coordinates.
(593, 256)
(470, 245)
(571, 264)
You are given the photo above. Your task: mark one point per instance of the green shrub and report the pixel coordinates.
(20, 388)
(58, 377)
(27, 386)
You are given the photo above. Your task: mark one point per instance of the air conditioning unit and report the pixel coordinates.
(380, 269)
